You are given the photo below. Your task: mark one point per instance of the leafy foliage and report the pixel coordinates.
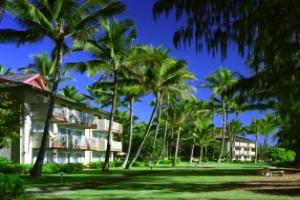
(12, 187)
(9, 114)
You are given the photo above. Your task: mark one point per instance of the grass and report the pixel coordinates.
(209, 181)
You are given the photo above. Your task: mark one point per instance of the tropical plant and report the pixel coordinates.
(256, 128)
(4, 71)
(72, 93)
(235, 128)
(274, 64)
(57, 20)
(220, 82)
(161, 73)
(110, 52)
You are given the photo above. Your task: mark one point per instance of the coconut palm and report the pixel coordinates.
(71, 92)
(161, 73)
(4, 71)
(110, 53)
(235, 128)
(57, 20)
(220, 82)
(256, 127)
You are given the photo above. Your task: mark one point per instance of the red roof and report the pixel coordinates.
(34, 80)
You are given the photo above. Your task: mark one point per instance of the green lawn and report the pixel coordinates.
(211, 181)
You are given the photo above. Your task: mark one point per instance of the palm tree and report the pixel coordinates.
(57, 20)
(72, 93)
(160, 73)
(220, 82)
(110, 52)
(204, 134)
(4, 71)
(131, 93)
(235, 128)
(256, 127)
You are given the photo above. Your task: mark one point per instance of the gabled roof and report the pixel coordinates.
(34, 80)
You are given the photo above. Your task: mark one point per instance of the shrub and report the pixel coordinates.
(96, 165)
(52, 168)
(117, 163)
(277, 154)
(72, 167)
(165, 162)
(138, 164)
(11, 187)
(8, 167)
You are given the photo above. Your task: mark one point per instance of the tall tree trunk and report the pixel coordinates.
(130, 131)
(192, 151)
(164, 147)
(129, 164)
(256, 147)
(105, 166)
(231, 149)
(224, 130)
(176, 148)
(157, 128)
(213, 150)
(38, 165)
(200, 154)
(297, 158)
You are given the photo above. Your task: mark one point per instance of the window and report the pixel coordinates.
(78, 157)
(98, 156)
(38, 127)
(62, 157)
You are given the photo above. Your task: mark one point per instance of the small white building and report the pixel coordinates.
(77, 132)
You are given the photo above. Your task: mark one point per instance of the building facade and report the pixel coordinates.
(78, 133)
(243, 150)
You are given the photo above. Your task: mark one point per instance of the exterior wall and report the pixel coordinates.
(82, 147)
(243, 150)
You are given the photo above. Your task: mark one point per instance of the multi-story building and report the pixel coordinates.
(77, 132)
(243, 150)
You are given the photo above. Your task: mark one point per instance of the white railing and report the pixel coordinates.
(116, 146)
(103, 125)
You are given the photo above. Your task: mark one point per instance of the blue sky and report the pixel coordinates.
(149, 32)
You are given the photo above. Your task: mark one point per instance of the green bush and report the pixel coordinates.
(72, 167)
(52, 168)
(96, 165)
(11, 187)
(8, 167)
(138, 164)
(117, 163)
(165, 162)
(277, 155)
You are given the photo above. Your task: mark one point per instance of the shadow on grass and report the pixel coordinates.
(147, 180)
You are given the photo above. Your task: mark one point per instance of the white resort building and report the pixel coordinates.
(243, 150)
(77, 132)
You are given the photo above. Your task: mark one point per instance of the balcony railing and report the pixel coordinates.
(116, 146)
(243, 144)
(103, 125)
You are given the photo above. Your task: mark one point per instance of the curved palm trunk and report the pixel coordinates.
(156, 129)
(192, 151)
(37, 167)
(200, 155)
(129, 164)
(224, 130)
(256, 147)
(105, 166)
(130, 132)
(164, 147)
(176, 149)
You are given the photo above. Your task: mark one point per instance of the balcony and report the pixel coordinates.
(103, 125)
(244, 153)
(243, 144)
(116, 146)
(64, 115)
(92, 144)
(79, 144)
